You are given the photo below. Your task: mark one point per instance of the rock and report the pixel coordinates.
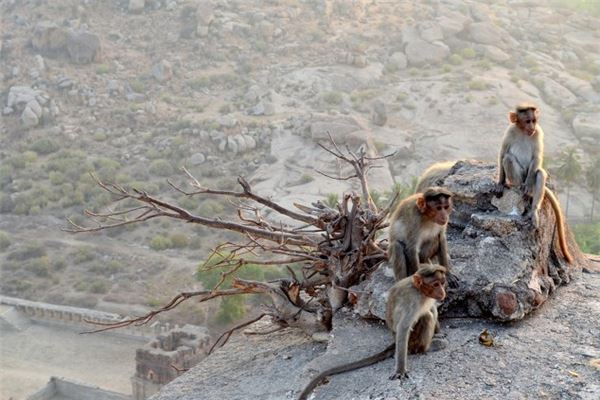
(452, 23)
(29, 118)
(556, 94)
(506, 268)
(197, 159)
(83, 47)
(420, 52)
(493, 53)
(205, 13)
(430, 31)
(398, 59)
(486, 33)
(587, 126)
(136, 6)
(162, 71)
(379, 116)
(241, 143)
(232, 145)
(49, 39)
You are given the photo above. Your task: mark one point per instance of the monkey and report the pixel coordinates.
(433, 175)
(418, 232)
(520, 165)
(411, 314)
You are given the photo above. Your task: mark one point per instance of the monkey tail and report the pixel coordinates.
(382, 355)
(560, 225)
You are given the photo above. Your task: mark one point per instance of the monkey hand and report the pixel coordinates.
(498, 190)
(399, 375)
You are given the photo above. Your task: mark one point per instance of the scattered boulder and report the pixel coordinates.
(49, 39)
(419, 52)
(506, 268)
(29, 101)
(398, 59)
(556, 94)
(197, 159)
(162, 71)
(587, 127)
(83, 47)
(487, 33)
(379, 116)
(430, 31)
(205, 14)
(136, 6)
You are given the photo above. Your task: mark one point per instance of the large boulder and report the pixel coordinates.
(49, 39)
(420, 52)
(83, 47)
(506, 268)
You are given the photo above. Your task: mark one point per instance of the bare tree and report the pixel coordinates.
(338, 247)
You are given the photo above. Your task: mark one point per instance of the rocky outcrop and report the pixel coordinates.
(79, 46)
(506, 268)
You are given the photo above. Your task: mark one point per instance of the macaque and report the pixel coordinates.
(418, 231)
(433, 175)
(411, 314)
(520, 165)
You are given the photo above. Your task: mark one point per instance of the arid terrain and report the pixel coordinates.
(134, 90)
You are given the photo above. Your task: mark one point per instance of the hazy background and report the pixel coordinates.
(134, 90)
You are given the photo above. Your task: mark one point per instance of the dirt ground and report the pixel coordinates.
(28, 359)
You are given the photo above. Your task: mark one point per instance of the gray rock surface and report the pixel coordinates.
(506, 268)
(549, 355)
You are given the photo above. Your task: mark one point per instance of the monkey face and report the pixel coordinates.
(432, 286)
(527, 121)
(439, 210)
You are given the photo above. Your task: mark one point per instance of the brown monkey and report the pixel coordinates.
(411, 315)
(520, 165)
(433, 175)
(418, 231)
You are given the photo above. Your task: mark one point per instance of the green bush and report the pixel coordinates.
(588, 237)
(232, 308)
(468, 53)
(160, 242)
(82, 254)
(40, 266)
(98, 287)
(476, 84)
(28, 251)
(455, 59)
(332, 98)
(161, 167)
(44, 146)
(179, 240)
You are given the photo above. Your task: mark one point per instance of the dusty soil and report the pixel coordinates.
(28, 359)
(549, 355)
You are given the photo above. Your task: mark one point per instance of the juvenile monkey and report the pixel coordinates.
(418, 231)
(411, 314)
(520, 165)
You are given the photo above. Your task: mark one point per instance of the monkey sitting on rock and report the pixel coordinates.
(520, 165)
(411, 314)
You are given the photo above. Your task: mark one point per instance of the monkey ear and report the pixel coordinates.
(421, 204)
(417, 281)
(512, 117)
(536, 112)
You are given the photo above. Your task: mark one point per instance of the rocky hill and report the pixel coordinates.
(136, 89)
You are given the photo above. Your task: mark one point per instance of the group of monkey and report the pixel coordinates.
(417, 234)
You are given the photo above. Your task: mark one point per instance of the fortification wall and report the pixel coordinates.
(75, 316)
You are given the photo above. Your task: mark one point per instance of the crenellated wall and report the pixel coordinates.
(75, 316)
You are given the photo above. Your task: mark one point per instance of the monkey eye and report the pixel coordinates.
(439, 208)
(446, 207)
(437, 284)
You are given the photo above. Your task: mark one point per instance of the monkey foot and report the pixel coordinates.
(399, 375)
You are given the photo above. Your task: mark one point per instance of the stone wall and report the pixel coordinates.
(75, 316)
